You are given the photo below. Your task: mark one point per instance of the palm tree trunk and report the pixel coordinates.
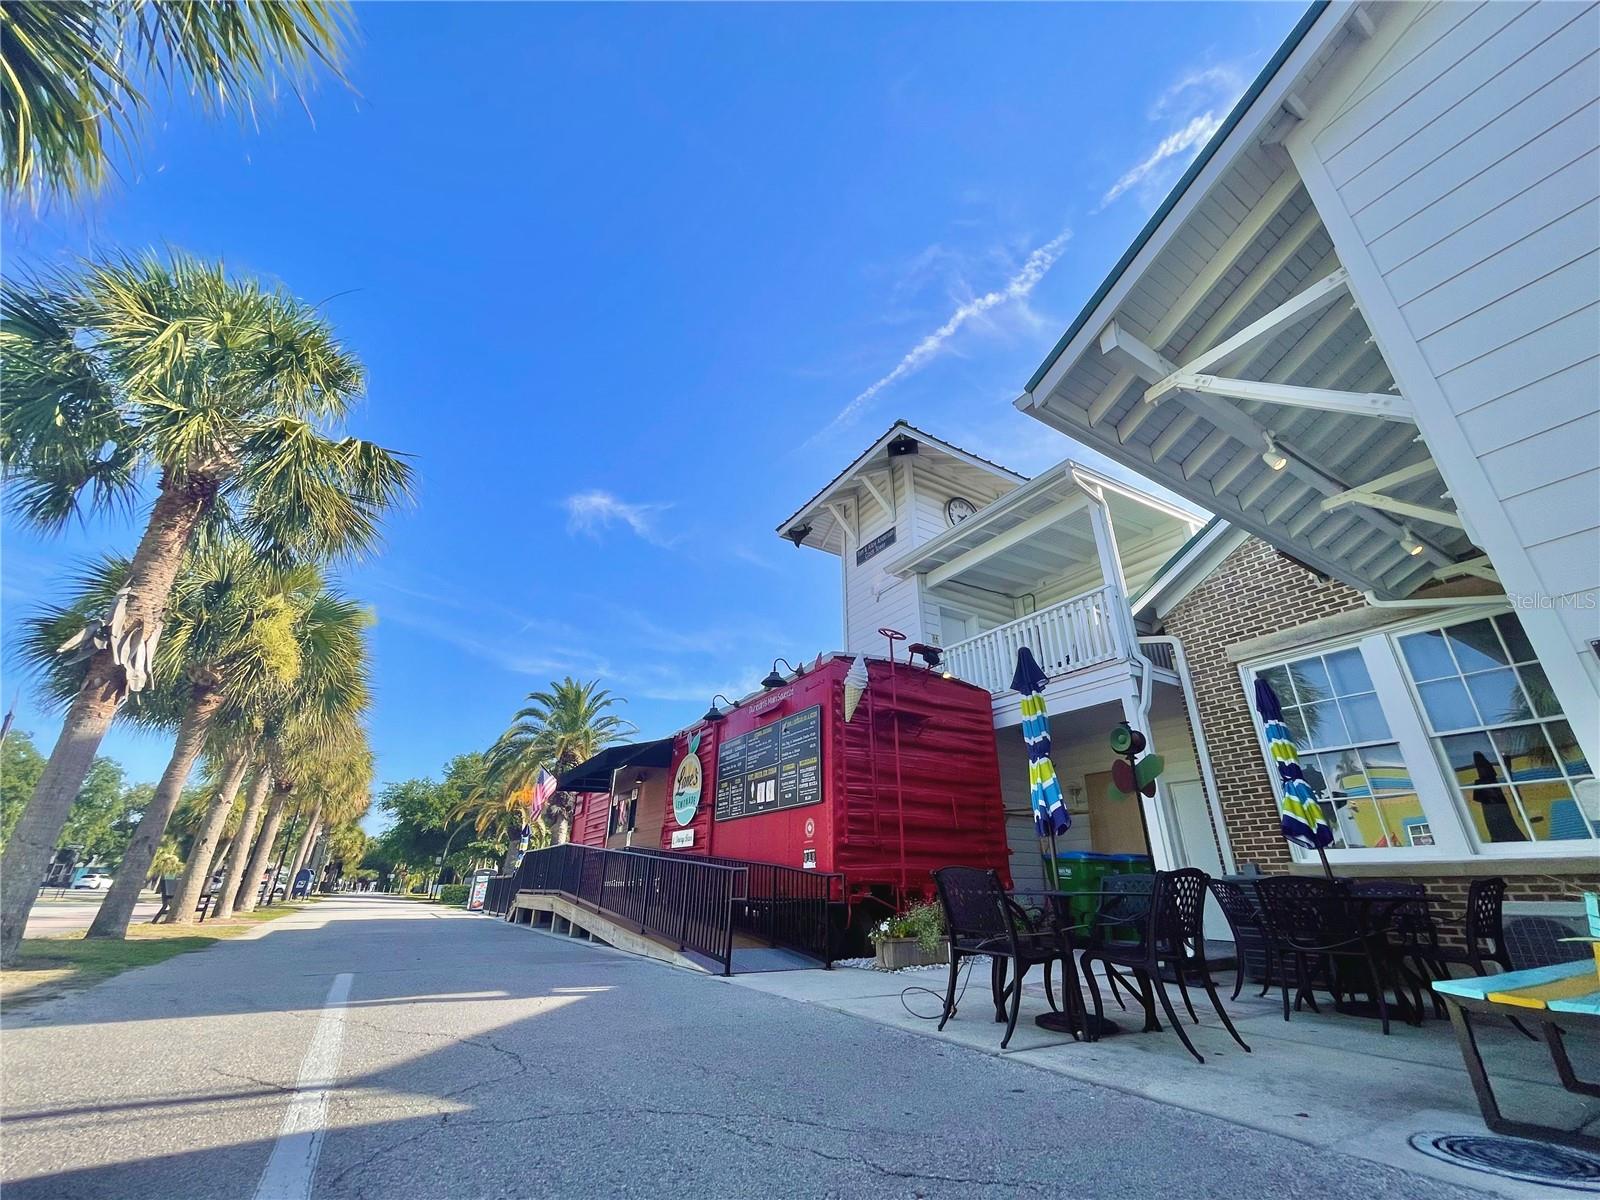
(33, 840)
(245, 901)
(307, 840)
(197, 873)
(254, 799)
(116, 911)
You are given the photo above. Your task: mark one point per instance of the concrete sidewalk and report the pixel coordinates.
(1330, 1081)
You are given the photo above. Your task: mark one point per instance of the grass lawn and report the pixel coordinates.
(53, 966)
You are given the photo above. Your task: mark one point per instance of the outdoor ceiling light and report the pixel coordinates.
(797, 534)
(1409, 543)
(715, 714)
(775, 679)
(1272, 456)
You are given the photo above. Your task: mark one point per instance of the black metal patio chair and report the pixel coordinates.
(1328, 938)
(1484, 940)
(1249, 935)
(983, 921)
(1172, 937)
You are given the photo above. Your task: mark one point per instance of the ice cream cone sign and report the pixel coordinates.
(855, 686)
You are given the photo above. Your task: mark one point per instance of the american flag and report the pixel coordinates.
(544, 786)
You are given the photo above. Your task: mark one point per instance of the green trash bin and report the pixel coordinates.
(1079, 873)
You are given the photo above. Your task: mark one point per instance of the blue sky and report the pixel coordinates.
(632, 282)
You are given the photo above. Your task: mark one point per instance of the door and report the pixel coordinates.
(954, 627)
(1198, 845)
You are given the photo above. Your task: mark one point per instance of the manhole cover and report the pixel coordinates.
(1514, 1158)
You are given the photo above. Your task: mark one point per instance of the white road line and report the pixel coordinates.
(294, 1157)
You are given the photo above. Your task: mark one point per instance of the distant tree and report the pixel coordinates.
(21, 764)
(102, 817)
(560, 727)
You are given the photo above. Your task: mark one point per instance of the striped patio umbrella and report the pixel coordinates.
(1050, 816)
(1301, 818)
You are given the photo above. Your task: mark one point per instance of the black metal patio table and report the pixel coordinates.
(1073, 1015)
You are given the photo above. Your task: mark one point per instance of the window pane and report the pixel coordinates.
(1386, 770)
(1526, 753)
(1540, 693)
(1404, 820)
(1553, 813)
(1324, 725)
(1296, 725)
(1516, 641)
(1471, 759)
(1331, 816)
(1278, 680)
(1426, 655)
(1567, 749)
(1344, 774)
(1363, 716)
(1494, 816)
(1317, 768)
(1476, 645)
(1447, 705)
(1311, 680)
(1348, 673)
(1499, 697)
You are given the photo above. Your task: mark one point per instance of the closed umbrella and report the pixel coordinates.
(1050, 816)
(1301, 819)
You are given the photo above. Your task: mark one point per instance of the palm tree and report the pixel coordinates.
(70, 72)
(228, 637)
(312, 721)
(558, 729)
(229, 393)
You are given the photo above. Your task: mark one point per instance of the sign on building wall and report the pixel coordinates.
(686, 784)
(869, 549)
(774, 767)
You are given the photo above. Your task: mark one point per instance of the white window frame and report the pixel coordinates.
(1564, 848)
(1402, 709)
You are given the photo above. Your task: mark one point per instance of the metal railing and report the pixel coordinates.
(1079, 632)
(1159, 652)
(688, 902)
(501, 891)
(783, 906)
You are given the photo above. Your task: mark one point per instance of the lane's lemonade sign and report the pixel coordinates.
(687, 784)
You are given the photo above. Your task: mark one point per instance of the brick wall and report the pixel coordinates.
(1257, 591)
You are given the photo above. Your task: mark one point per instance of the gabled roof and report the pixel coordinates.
(814, 511)
(1226, 359)
(1202, 160)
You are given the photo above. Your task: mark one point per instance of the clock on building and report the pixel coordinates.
(957, 509)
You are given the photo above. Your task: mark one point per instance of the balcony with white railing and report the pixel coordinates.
(1072, 635)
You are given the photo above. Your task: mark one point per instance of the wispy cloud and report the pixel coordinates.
(594, 512)
(1015, 290)
(1194, 107)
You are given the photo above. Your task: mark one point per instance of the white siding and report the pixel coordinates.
(934, 483)
(894, 605)
(1467, 159)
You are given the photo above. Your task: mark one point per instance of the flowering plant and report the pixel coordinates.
(924, 921)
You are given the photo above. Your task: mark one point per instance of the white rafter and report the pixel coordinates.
(1128, 351)
(1297, 308)
(1383, 483)
(1362, 404)
(884, 502)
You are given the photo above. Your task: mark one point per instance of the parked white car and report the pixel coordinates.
(96, 881)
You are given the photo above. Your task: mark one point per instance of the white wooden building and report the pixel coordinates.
(1365, 326)
(962, 554)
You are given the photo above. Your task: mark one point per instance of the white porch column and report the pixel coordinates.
(1105, 544)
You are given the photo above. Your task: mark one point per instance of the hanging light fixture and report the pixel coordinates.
(1409, 542)
(1272, 456)
(715, 714)
(775, 677)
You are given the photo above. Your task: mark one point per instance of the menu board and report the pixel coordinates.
(776, 766)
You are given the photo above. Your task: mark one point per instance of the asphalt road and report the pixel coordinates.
(75, 910)
(463, 1057)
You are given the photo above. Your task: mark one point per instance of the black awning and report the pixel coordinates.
(595, 775)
